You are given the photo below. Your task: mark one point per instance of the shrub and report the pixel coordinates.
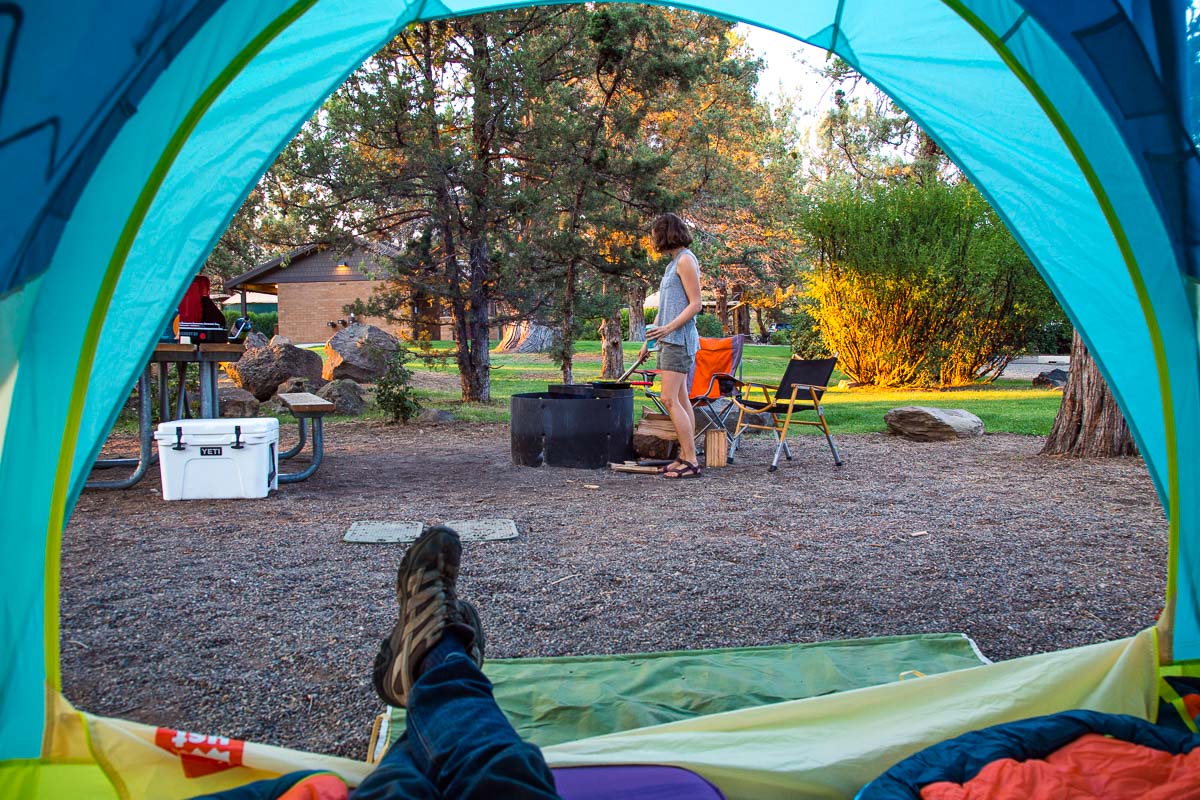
(708, 325)
(1051, 338)
(394, 391)
(920, 284)
(649, 314)
(804, 337)
(264, 323)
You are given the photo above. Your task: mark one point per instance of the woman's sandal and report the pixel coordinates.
(688, 470)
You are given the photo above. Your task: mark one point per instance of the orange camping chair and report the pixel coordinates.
(714, 376)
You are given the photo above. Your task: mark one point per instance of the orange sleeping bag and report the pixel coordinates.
(1091, 767)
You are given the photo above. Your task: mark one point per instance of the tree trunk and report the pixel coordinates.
(568, 324)
(637, 313)
(526, 337)
(723, 307)
(763, 336)
(612, 356)
(741, 313)
(1089, 423)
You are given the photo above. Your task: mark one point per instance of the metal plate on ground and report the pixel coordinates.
(483, 530)
(406, 531)
(384, 532)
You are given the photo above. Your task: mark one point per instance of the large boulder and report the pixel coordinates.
(1051, 379)
(260, 371)
(925, 424)
(236, 402)
(720, 407)
(359, 352)
(346, 396)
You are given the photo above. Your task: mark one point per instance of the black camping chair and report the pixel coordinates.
(801, 389)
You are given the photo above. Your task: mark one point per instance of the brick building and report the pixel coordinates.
(314, 285)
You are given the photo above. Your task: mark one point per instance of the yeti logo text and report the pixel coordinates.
(200, 754)
(210, 451)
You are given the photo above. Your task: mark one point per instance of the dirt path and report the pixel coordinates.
(253, 619)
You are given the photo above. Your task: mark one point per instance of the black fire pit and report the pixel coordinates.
(580, 425)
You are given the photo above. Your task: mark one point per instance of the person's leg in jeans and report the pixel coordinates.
(397, 778)
(457, 737)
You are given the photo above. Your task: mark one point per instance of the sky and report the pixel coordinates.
(792, 73)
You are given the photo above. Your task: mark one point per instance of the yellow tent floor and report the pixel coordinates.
(822, 747)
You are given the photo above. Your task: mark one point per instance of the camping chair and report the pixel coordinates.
(801, 389)
(714, 375)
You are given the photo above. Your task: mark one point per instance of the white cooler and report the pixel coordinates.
(203, 459)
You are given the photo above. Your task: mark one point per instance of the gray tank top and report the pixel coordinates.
(672, 300)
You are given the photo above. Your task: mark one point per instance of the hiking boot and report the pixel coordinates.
(425, 591)
(470, 618)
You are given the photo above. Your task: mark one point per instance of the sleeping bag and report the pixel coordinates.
(1073, 755)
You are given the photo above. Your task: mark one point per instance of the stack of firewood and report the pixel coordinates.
(655, 436)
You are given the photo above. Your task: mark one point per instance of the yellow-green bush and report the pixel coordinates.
(920, 285)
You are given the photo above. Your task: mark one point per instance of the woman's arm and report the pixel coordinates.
(689, 274)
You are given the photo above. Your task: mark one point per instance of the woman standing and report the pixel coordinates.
(675, 331)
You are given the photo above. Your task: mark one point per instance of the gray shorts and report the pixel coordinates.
(674, 358)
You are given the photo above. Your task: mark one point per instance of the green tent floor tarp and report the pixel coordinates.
(553, 700)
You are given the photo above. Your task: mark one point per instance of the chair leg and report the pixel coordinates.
(736, 439)
(787, 422)
(837, 459)
(781, 447)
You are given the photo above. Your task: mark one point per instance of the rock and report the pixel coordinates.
(849, 384)
(719, 405)
(277, 339)
(300, 385)
(359, 352)
(262, 370)
(236, 402)
(434, 416)
(273, 407)
(346, 396)
(1051, 379)
(255, 340)
(925, 424)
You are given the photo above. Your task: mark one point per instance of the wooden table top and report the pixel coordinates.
(173, 352)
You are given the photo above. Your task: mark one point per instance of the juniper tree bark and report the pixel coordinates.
(526, 337)
(612, 356)
(1089, 423)
(637, 313)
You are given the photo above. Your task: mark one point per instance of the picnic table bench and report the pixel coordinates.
(305, 406)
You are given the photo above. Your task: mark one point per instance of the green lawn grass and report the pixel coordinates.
(1004, 407)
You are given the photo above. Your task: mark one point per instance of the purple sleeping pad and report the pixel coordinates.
(633, 782)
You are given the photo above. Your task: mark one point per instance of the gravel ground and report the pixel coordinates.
(254, 620)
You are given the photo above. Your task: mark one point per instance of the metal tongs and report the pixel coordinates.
(633, 369)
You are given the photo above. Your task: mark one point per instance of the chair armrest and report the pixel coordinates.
(745, 387)
(756, 385)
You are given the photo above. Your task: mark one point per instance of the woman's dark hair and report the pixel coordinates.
(668, 232)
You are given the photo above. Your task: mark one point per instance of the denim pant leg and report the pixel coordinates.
(396, 778)
(462, 741)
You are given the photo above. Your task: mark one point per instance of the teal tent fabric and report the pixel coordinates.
(130, 132)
